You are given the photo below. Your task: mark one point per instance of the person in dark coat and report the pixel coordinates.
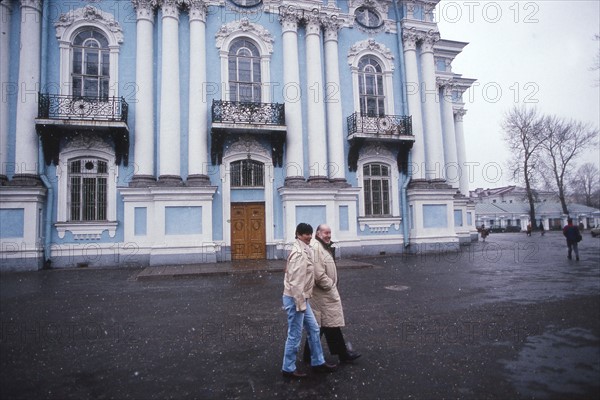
(571, 232)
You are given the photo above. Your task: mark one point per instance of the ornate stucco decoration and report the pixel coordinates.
(89, 141)
(247, 27)
(89, 14)
(369, 45)
(246, 145)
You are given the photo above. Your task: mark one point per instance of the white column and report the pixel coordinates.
(414, 103)
(434, 148)
(26, 151)
(335, 119)
(169, 152)
(5, 19)
(452, 171)
(198, 113)
(144, 108)
(461, 151)
(317, 150)
(293, 108)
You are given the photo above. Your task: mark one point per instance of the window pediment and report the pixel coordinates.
(263, 38)
(89, 15)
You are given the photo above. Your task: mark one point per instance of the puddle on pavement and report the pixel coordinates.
(558, 362)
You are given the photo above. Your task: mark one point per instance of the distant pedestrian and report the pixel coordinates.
(298, 286)
(326, 302)
(571, 232)
(542, 230)
(529, 229)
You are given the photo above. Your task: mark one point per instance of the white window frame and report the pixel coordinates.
(86, 229)
(369, 155)
(252, 82)
(263, 40)
(71, 24)
(380, 52)
(85, 50)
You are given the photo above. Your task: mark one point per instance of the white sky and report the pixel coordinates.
(534, 52)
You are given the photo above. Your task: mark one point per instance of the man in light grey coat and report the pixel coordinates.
(326, 302)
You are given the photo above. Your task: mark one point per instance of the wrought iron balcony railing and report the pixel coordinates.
(53, 106)
(235, 112)
(385, 126)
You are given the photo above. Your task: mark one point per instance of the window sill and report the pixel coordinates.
(91, 230)
(379, 224)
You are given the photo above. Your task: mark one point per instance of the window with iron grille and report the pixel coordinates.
(376, 183)
(88, 178)
(244, 72)
(370, 87)
(90, 64)
(247, 173)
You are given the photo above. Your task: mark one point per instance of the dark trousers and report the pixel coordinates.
(335, 342)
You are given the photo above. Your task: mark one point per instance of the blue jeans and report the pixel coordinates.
(296, 320)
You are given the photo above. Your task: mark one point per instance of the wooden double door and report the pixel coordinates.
(248, 238)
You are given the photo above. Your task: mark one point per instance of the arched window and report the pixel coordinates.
(247, 173)
(244, 72)
(376, 186)
(370, 86)
(87, 189)
(90, 71)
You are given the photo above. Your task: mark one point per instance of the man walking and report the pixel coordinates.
(298, 286)
(326, 301)
(571, 232)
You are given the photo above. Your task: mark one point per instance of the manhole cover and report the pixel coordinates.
(397, 288)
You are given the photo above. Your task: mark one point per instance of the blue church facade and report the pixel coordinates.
(152, 132)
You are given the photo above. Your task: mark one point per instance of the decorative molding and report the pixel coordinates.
(410, 37)
(244, 26)
(369, 45)
(331, 26)
(381, 6)
(89, 14)
(246, 145)
(379, 224)
(88, 142)
(34, 4)
(86, 230)
(377, 150)
(429, 39)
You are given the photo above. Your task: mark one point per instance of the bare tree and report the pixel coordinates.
(523, 134)
(562, 142)
(586, 184)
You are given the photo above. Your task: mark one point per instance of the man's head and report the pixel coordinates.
(324, 233)
(304, 232)
(570, 221)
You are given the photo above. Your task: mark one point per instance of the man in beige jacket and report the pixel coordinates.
(297, 289)
(326, 301)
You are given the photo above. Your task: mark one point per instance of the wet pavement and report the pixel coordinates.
(509, 318)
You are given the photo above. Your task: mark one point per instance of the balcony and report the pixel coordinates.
(386, 127)
(61, 116)
(236, 118)
(394, 130)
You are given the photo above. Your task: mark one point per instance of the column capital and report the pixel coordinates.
(170, 8)
(289, 18)
(428, 40)
(7, 5)
(145, 9)
(331, 27)
(410, 37)
(459, 113)
(197, 10)
(34, 4)
(445, 83)
(313, 24)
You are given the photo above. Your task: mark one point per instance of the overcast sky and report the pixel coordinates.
(538, 53)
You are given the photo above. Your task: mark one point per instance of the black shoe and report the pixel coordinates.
(349, 357)
(577, 259)
(295, 374)
(325, 367)
(569, 257)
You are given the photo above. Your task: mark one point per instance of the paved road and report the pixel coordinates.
(511, 318)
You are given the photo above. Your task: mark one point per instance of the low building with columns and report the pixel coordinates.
(152, 132)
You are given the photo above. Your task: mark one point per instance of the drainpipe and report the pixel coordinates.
(408, 177)
(41, 164)
(405, 216)
(401, 59)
